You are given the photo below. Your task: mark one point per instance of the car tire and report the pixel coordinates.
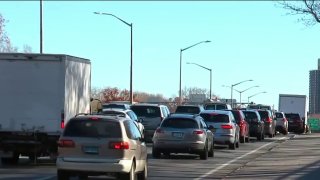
(232, 145)
(263, 136)
(270, 135)
(156, 153)
(259, 136)
(144, 174)
(204, 153)
(131, 175)
(62, 175)
(211, 152)
(247, 139)
(12, 160)
(242, 139)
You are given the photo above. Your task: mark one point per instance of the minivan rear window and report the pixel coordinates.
(188, 109)
(182, 123)
(250, 116)
(264, 114)
(279, 115)
(146, 111)
(215, 118)
(92, 128)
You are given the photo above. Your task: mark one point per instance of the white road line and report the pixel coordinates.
(45, 178)
(234, 160)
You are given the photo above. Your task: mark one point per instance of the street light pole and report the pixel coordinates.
(180, 79)
(131, 50)
(206, 69)
(236, 85)
(41, 27)
(255, 95)
(246, 90)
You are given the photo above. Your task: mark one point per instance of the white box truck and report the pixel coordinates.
(292, 103)
(39, 93)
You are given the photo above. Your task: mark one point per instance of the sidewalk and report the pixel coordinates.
(297, 158)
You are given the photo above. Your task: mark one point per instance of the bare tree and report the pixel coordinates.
(27, 49)
(309, 9)
(5, 43)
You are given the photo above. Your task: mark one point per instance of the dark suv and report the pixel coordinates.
(295, 123)
(189, 109)
(256, 125)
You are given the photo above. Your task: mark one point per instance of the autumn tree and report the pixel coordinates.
(308, 9)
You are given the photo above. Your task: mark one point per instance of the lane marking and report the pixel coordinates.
(234, 160)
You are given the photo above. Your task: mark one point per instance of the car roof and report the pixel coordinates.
(104, 117)
(216, 111)
(147, 104)
(117, 110)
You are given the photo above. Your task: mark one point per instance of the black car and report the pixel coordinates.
(270, 123)
(295, 123)
(189, 109)
(256, 125)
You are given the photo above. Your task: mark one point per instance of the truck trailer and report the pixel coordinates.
(39, 94)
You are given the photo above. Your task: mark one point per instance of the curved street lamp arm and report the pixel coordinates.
(257, 94)
(195, 45)
(200, 66)
(249, 88)
(241, 82)
(230, 88)
(115, 17)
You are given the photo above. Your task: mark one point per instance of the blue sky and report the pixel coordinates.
(249, 40)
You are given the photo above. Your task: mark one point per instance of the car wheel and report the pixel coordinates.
(259, 136)
(155, 153)
(263, 136)
(204, 153)
(12, 160)
(211, 152)
(242, 139)
(232, 145)
(271, 135)
(237, 144)
(144, 174)
(131, 175)
(247, 139)
(62, 175)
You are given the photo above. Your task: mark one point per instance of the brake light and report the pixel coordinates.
(268, 119)
(284, 120)
(119, 145)
(62, 121)
(66, 143)
(198, 132)
(159, 131)
(241, 123)
(94, 118)
(226, 126)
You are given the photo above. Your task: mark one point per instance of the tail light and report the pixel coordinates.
(198, 132)
(284, 120)
(241, 123)
(226, 126)
(62, 121)
(159, 131)
(66, 143)
(119, 145)
(268, 119)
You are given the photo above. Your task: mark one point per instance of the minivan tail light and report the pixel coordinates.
(62, 120)
(198, 132)
(226, 126)
(268, 119)
(66, 143)
(119, 145)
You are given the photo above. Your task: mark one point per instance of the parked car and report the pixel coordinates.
(101, 145)
(226, 130)
(152, 115)
(183, 133)
(295, 123)
(243, 125)
(256, 125)
(115, 106)
(127, 114)
(216, 106)
(282, 123)
(189, 109)
(269, 122)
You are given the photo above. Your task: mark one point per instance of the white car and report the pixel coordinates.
(127, 113)
(282, 123)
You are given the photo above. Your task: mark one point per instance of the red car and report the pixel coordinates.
(243, 125)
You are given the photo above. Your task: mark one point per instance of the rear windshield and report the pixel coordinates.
(215, 107)
(216, 118)
(236, 115)
(182, 123)
(291, 117)
(188, 109)
(263, 114)
(250, 116)
(146, 111)
(114, 113)
(115, 106)
(92, 128)
(279, 115)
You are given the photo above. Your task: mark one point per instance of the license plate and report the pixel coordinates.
(91, 149)
(177, 134)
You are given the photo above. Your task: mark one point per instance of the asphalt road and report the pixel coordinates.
(282, 157)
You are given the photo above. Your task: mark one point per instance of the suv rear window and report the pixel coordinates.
(114, 113)
(279, 115)
(146, 111)
(264, 114)
(215, 107)
(182, 123)
(92, 128)
(236, 115)
(293, 116)
(216, 118)
(115, 106)
(188, 109)
(250, 116)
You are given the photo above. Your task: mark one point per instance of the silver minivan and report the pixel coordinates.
(101, 145)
